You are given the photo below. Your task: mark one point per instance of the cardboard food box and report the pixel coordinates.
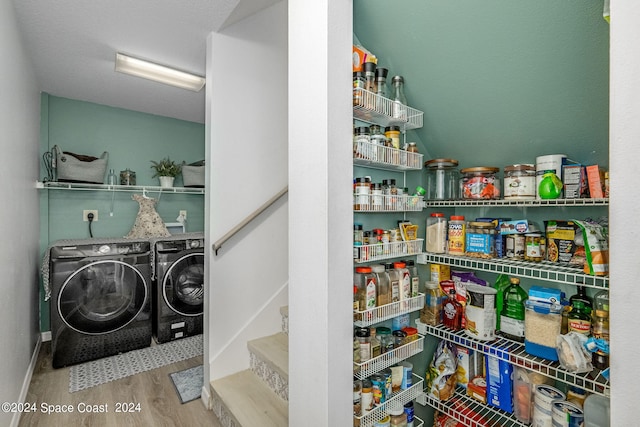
(595, 179)
(470, 365)
(518, 226)
(574, 180)
(560, 240)
(499, 383)
(478, 389)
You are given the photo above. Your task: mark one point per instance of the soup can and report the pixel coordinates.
(567, 414)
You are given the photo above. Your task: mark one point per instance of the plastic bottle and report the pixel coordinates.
(436, 234)
(398, 416)
(456, 235)
(512, 315)
(399, 98)
(394, 281)
(431, 314)
(383, 290)
(452, 312)
(415, 279)
(111, 178)
(405, 280)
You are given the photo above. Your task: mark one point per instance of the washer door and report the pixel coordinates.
(183, 285)
(102, 297)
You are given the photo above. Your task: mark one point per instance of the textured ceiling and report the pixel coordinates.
(72, 45)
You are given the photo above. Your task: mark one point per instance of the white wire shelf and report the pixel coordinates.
(379, 156)
(373, 108)
(545, 270)
(518, 203)
(387, 203)
(405, 396)
(50, 185)
(514, 353)
(366, 369)
(388, 311)
(471, 412)
(378, 252)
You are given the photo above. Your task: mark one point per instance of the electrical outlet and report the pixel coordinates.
(86, 212)
(184, 214)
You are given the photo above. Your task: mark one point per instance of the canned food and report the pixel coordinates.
(480, 183)
(515, 246)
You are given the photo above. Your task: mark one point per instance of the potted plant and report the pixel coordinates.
(167, 170)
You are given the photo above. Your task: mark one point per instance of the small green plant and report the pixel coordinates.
(166, 167)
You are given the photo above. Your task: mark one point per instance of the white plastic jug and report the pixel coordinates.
(597, 411)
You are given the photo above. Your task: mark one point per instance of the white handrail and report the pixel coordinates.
(221, 241)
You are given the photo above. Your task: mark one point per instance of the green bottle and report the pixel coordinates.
(512, 315)
(501, 284)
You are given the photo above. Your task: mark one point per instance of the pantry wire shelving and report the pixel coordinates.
(545, 270)
(470, 412)
(388, 311)
(404, 396)
(387, 203)
(514, 353)
(518, 203)
(381, 251)
(51, 185)
(366, 369)
(388, 158)
(373, 108)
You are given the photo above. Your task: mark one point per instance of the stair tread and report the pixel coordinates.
(273, 350)
(250, 400)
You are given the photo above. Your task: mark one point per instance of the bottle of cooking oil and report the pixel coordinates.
(512, 315)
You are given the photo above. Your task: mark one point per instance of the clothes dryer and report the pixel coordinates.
(101, 299)
(179, 286)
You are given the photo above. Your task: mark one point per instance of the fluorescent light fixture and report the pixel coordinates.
(159, 73)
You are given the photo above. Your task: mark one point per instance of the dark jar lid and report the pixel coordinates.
(362, 130)
(363, 332)
(392, 129)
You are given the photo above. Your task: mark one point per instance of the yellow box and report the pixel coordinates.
(440, 272)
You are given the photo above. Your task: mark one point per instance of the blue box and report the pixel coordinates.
(546, 295)
(499, 383)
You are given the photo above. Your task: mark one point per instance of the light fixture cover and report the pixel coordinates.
(159, 73)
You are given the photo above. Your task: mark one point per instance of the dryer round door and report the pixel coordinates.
(102, 297)
(183, 285)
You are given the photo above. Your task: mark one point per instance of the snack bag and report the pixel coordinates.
(441, 375)
(596, 247)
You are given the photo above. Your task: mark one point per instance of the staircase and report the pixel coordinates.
(257, 396)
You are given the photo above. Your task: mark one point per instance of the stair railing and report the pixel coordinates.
(221, 241)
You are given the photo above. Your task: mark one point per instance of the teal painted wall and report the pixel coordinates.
(500, 82)
(132, 140)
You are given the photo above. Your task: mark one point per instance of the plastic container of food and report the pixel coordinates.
(542, 323)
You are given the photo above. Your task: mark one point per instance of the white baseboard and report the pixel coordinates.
(46, 336)
(27, 380)
(205, 396)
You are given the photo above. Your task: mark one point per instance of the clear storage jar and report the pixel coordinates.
(480, 182)
(520, 182)
(442, 179)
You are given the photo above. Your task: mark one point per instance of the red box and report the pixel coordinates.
(595, 178)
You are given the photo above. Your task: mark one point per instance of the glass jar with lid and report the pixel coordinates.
(520, 182)
(480, 239)
(480, 182)
(442, 179)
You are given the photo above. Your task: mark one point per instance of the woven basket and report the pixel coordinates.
(80, 168)
(193, 176)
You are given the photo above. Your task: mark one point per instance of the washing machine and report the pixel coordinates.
(179, 286)
(100, 299)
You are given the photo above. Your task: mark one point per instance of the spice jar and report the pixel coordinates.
(362, 148)
(480, 183)
(358, 87)
(366, 396)
(399, 338)
(412, 334)
(393, 132)
(398, 417)
(386, 340)
(520, 182)
(442, 179)
(364, 338)
(480, 240)
(362, 194)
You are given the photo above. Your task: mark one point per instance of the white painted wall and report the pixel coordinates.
(247, 152)
(19, 136)
(320, 176)
(624, 155)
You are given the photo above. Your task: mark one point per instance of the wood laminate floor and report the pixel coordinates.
(159, 404)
